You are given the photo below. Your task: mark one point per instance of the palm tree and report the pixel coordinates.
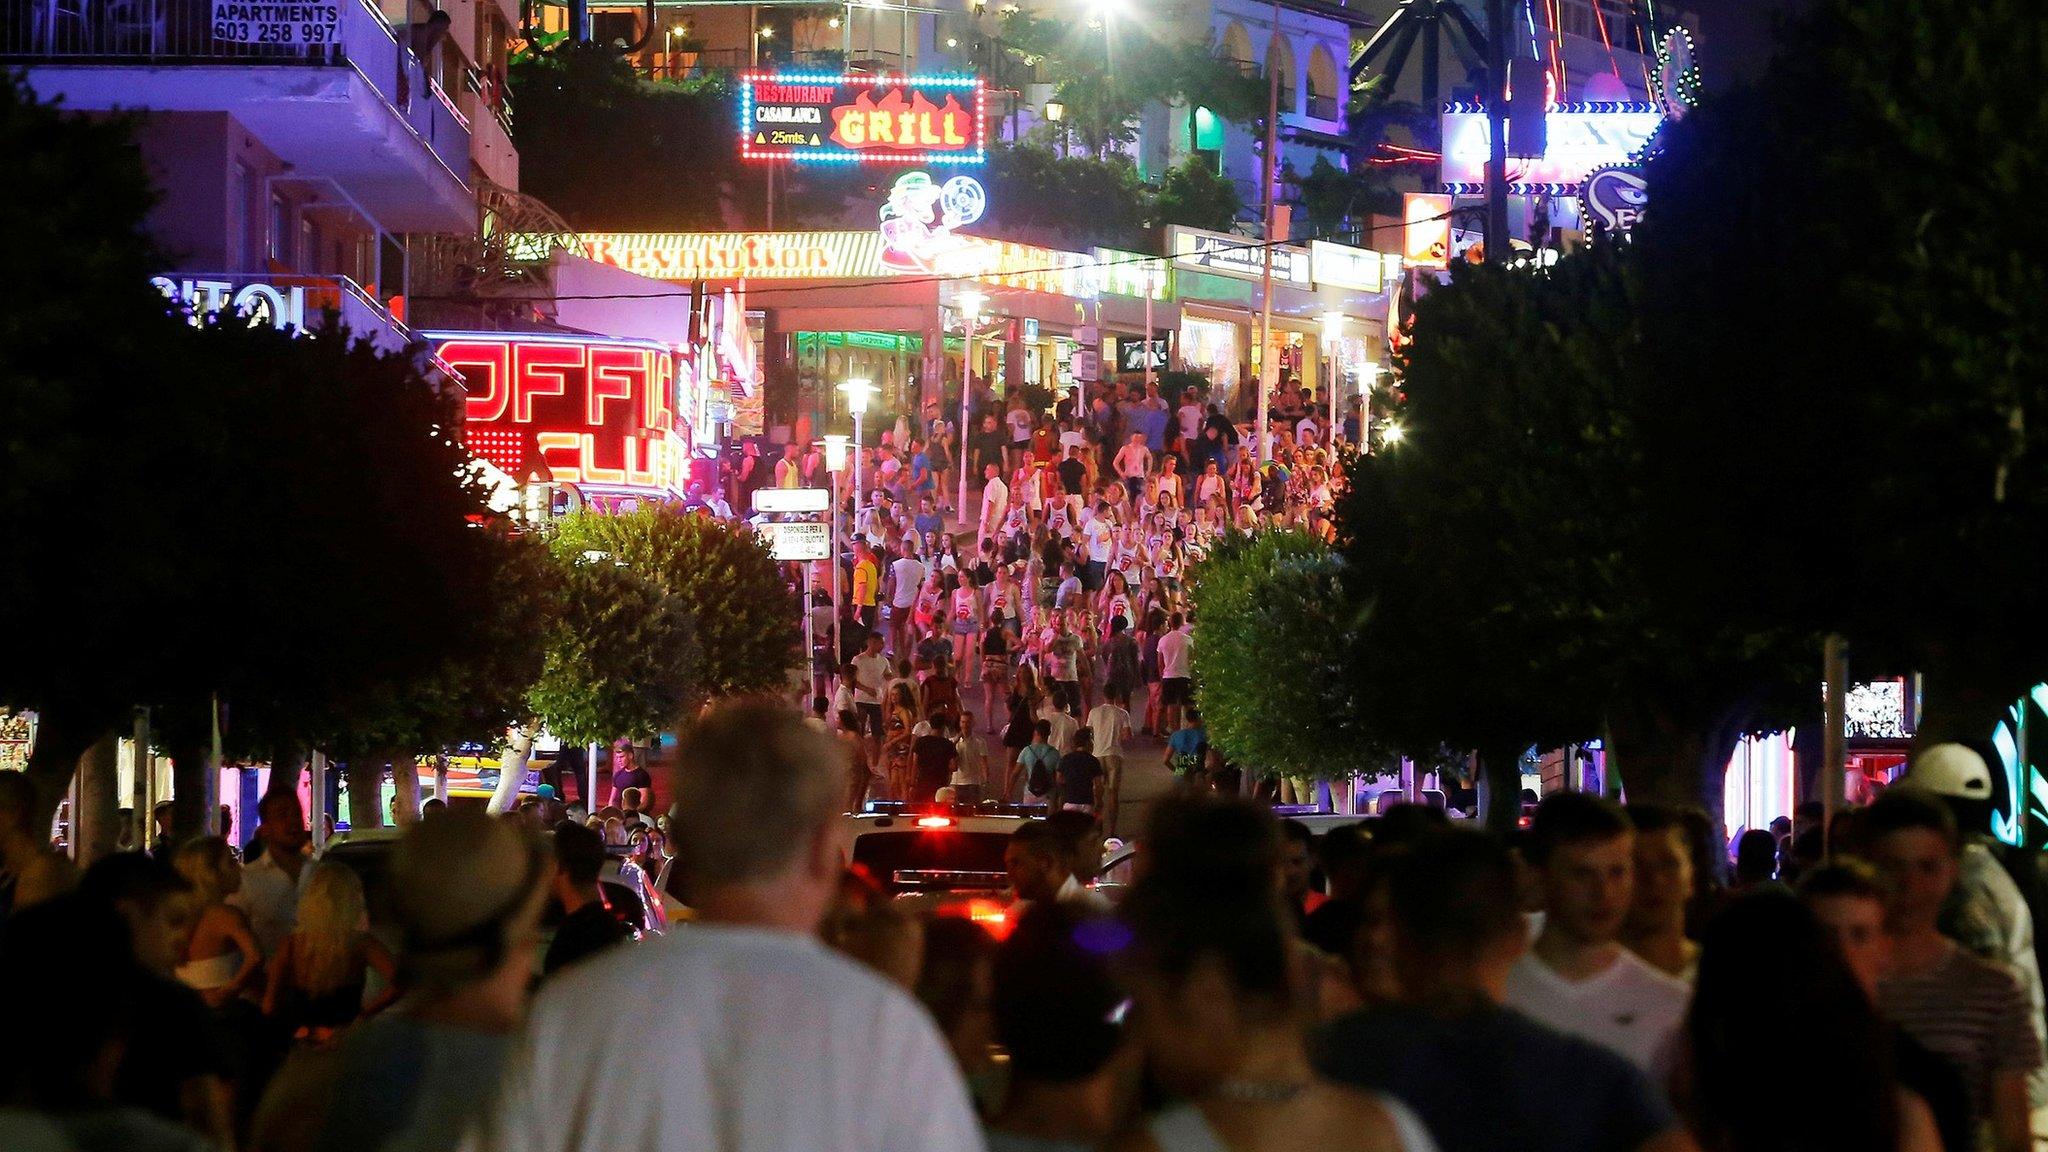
(1434, 23)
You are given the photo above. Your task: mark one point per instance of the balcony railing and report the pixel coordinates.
(1245, 68)
(1324, 107)
(183, 32)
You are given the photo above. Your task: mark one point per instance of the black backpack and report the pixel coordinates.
(1040, 781)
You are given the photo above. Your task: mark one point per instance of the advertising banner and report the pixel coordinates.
(240, 22)
(1580, 138)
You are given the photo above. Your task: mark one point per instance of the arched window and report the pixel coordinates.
(1236, 49)
(1324, 101)
(1280, 56)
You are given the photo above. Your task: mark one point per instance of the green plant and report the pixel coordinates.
(622, 659)
(748, 624)
(1274, 640)
(1194, 195)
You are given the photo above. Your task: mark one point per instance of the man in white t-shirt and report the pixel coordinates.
(906, 575)
(762, 1039)
(1132, 462)
(1191, 416)
(995, 502)
(1175, 670)
(1578, 978)
(870, 673)
(1110, 724)
(1099, 534)
(1307, 432)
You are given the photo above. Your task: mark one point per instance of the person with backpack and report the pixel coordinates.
(1037, 764)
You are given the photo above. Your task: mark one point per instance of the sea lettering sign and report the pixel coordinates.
(244, 22)
(856, 118)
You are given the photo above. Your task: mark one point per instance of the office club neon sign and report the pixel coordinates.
(599, 412)
(853, 118)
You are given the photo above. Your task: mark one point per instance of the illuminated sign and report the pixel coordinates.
(920, 219)
(1238, 256)
(1121, 273)
(1582, 137)
(597, 411)
(791, 499)
(262, 303)
(1359, 269)
(845, 118)
(1426, 233)
(1613, 198)
(739, 255)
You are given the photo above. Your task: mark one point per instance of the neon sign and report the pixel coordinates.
(919, 220)
(851, 118)
(599, 412)
(1582, 137)
(687, 256)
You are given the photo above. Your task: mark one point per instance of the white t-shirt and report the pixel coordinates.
(995, 500)
(1101, 541)
(1173, 654)
(1631, 1008)
(1190, 420)
(869, 676)
(1063, 725)
(908, 574)
(1020, 426)
(1305, 431)
(1108, 725)
(270, 897)
(759, 1041)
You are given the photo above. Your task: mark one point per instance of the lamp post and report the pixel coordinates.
(668, 46)
(858, 392)
(835, 463)
(1369, 375)
(970, 304)
(1054, 113)
(1333, 333)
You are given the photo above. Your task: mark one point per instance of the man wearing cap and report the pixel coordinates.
(761, 1038)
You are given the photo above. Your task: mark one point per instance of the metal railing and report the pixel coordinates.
(173, 32)
(1324, 107)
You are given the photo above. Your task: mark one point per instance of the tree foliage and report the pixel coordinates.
(1331, 198)
(1274, 640)
(1034, 190)
(622, 659)
(1194, 195)
(1874, 369)
(748, 625)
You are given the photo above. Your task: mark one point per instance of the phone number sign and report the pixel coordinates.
(238, 22)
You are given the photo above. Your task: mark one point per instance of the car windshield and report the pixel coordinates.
(933, 858)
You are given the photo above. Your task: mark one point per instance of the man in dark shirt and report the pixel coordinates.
(935, 754)
(1080, 784)
(587, 926)
(987, 446)
(1074, 472)
(1450, 1042)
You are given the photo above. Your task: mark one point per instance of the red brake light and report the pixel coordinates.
(934, 821)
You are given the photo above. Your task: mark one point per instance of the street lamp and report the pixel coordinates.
(858, 392)
(970, 304)
(1333, 334)
(668, 37)
(835, 463)
(1369, 374)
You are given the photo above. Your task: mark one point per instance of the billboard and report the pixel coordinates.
(1581, 137)
(1241, 257)
(599, 412)
(857, 118)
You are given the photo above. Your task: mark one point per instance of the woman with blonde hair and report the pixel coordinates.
(319, 973)
(222, 957)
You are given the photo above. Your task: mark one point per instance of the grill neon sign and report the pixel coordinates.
(854, 118)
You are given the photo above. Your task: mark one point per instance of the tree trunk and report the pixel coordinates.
(188, 789)
(512, 769)
(1663, 757)
(405, 785)
(1499, 781)
(365, 776)
(61, 739)
(96, 825)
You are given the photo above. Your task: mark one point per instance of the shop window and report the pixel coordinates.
(1208, 131)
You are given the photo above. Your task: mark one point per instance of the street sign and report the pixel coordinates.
(791, 499)
(803, 541)
(1087, 365)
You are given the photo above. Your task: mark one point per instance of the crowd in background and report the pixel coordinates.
(1589, 984)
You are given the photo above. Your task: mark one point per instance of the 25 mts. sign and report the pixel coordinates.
(243, 22)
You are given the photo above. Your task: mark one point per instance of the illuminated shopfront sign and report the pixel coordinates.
(1359, 269)
(1426, 229)
(1582, 137)
(599, 412)
(857, 118)
(289, 303)
(1239, 256)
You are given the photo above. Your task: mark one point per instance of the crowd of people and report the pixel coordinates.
(1588, 984)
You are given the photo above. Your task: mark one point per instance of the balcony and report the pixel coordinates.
(346, 102)
(306, 303)
(1322, 107)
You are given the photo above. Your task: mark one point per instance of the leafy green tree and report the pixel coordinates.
(748, 622)
(1858, 394)
(1194, 195)
(1275, 636)
(1505, 549)
(1034, 190)
(1332, 198)
(622, 661)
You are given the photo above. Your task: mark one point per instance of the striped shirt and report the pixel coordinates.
(1970, 1012)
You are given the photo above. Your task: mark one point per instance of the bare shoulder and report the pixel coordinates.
(1351, 1118)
